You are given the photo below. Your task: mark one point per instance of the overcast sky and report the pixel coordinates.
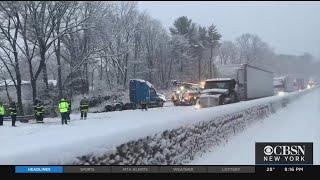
(288, 27)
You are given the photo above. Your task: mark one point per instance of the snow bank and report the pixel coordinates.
(176, 146)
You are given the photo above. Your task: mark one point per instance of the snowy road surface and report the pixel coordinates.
(53, 143)
(48, 142)
(299, 122)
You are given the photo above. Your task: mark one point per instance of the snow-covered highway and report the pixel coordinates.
(298, 122)
(53, 143)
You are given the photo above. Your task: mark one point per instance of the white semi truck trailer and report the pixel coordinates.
(237, 82)
(283, 84)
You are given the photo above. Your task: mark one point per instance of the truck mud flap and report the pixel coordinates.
(128, 106)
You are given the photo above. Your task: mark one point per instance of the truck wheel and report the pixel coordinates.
(221, 101)
(234, 98)
(118, 107)
(108, 108)
(161, 103)
(193, 102)
(128, 106)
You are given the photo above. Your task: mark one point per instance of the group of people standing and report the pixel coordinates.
(65, 109)
(39, 111)
(12, 110)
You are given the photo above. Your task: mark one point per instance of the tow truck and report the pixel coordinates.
(185, 94)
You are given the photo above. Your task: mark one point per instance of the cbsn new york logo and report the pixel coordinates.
(284, 153)
(289, 153)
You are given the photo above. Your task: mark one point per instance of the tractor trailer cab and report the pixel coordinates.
(284, 84)
(237, 82)
(143, 91)
(224, 89)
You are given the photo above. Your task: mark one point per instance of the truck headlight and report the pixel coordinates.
(202, 83)
(280, 93)
(308, 87)
(197, 106)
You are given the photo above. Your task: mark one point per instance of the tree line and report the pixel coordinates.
(94, 47)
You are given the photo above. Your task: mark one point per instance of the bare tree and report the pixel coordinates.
(228, 53)
(80, 43)
(44, 18)
(67, 10)
(9, 35)
(248, 45)
(4, 78)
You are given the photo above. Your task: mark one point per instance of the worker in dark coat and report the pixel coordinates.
(2, 113)
(69, 110)
(39, 111)
(13, 113)
(84, 107)
(144, 105)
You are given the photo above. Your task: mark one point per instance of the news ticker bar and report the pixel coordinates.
(134, 169)
(217, 169)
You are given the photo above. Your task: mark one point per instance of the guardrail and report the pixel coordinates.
(23, 119)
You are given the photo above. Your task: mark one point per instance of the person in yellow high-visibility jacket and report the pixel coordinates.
(63, 108)
(2, 112)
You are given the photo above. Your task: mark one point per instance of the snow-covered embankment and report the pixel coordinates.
(180, 143)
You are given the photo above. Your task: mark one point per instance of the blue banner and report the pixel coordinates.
(39, 169)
